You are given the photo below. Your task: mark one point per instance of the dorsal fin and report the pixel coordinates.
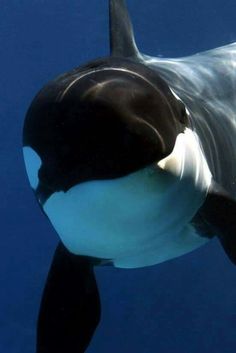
(122, 42)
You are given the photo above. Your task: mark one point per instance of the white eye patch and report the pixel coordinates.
(32, 165)
(187, 160)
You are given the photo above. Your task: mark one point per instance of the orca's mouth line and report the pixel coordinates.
(43, 192)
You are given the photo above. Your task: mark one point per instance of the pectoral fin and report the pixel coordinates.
(70, 307)
(219, 211)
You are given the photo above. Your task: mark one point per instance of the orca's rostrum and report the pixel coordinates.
(132, 160)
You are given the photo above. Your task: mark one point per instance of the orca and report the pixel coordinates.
(131, 159)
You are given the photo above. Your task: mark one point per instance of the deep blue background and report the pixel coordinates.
(184, 305)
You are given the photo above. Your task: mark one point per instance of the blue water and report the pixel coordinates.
(184, 305)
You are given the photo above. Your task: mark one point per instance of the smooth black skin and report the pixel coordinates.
(70, 307)
(116, 118)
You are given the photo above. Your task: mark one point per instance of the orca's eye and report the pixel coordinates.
(183, 116)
